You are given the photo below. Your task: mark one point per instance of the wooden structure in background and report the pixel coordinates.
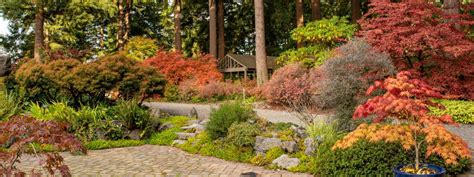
(242, 66)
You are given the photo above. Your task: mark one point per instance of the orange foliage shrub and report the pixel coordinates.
(407, 99)
(177, 68)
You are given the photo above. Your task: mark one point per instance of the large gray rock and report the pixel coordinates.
(289, 146)
(185, 136)
(165, 126)
(300, 131)
(135, 134)
(263, 144)
(193, 113)
(198, 128)
(284, 161)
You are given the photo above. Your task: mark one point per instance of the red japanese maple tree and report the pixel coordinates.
(420, 36)
(18, 135)
(177, 68)
(407, 99)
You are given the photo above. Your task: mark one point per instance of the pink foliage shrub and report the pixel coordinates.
(219, 89)
(292, 85)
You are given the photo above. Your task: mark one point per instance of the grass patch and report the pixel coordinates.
(165, 137)
(177, 121)
(106, 144)
(203, 145)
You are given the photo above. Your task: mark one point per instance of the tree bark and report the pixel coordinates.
(177, 25)
(299, 17)
(221, 30)
(127, 20)
(39, 31)
(120, 22)
(356, 13)
(261, 54)
(315, 10)
(212, 28)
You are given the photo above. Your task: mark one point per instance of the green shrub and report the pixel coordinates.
(242, 134)
(321, 36)
(87, 83)
(364, 159)
(59, 111)
(9, 105)
(327, 132)
(132, 114)
(104, 144)
(85, 122)
(375, 158)
(227, 114)
(140, 48)
(461, 111)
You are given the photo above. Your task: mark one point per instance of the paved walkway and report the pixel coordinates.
(151, 160)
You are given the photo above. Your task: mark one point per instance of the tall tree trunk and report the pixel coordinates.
(39, 31)
(260, 50)
(220, 26)
(212, 28)
(356, 13)
(315, 10)
(127, 20)
(120, 30)
(452, 7)
(299, 17)
(177, 25)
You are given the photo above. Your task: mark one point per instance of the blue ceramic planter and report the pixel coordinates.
(440, 171)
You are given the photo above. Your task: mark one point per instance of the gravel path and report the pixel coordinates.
(151, 160)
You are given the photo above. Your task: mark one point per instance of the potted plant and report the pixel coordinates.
(407, 101)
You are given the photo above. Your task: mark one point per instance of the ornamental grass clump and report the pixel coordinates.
(407, 100)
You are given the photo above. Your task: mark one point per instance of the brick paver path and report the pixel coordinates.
(151, 160)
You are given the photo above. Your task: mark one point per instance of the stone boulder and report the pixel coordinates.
(165, 126)
(185, 136)
(135, 134)
(284, 161)
(198, 128)
(263, 144)
(289, 146)
(193, 113)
